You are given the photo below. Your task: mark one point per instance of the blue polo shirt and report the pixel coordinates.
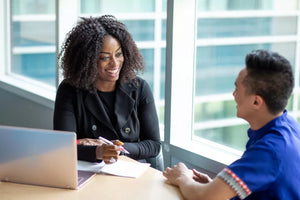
(269, 167)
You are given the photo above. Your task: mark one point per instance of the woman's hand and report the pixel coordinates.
(90, 142)
(109, 153)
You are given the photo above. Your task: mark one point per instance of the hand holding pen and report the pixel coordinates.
(106, 150)
(119, 143)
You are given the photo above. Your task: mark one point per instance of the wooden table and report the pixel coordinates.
(151, 185)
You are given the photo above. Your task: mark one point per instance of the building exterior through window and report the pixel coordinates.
(223, 33)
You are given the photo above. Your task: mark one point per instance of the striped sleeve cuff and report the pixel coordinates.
(235, 183)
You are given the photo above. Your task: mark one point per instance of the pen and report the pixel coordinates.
(109, 142)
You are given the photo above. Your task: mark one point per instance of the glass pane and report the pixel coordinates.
(289, 106)
(235, 27)
(298, 100)
(207, 111)
(221, 5)
(162, 73)
(161, 104)
(164, 6)
(163, 29)
(40, 66)
(24, 7)
(148, 74)
(33, 40)
(233, 136)
(161, 118)
(141, 30)
(218, 66)
(116, 6)
(33, 33)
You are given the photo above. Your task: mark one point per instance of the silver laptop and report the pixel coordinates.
(40, 157)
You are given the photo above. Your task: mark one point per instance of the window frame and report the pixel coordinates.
(178, 119)
(20, 85)
(180, 83)
(199, 151)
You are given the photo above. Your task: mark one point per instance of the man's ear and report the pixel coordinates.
(258, 101)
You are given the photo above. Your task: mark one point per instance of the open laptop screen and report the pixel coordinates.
(39, 157)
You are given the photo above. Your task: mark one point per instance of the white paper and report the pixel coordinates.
(90, 166)
(119, 168)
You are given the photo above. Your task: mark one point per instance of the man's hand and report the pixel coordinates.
(200, 177)
(177, 174)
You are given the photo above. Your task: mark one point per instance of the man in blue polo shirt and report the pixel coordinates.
(268, 169)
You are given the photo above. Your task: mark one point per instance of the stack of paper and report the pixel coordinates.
(119, 168)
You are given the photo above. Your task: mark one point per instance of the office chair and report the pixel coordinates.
(157, 162)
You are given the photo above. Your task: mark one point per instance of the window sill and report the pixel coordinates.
(32, 90)
(206, 154)
(214, 151)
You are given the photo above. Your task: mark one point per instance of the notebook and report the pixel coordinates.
(40, 157)
(119, 168)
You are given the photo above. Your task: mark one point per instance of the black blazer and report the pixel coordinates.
(136, 118)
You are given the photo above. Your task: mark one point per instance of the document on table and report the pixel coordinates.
(119, 168)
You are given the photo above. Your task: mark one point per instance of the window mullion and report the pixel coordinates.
(4, 36)
(297, 65)
(66, 18)
(182, 71)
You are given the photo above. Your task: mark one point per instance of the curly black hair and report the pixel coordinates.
(80, 52)
(270, 76)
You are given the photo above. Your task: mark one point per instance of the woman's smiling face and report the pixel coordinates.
(110, 61)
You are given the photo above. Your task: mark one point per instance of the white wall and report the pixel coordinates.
(16, 110)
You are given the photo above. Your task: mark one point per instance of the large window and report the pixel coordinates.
(210, 40)
(226, 31)
(33, 40)
(193, 51)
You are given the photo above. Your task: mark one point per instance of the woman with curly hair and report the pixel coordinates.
(101, 94)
